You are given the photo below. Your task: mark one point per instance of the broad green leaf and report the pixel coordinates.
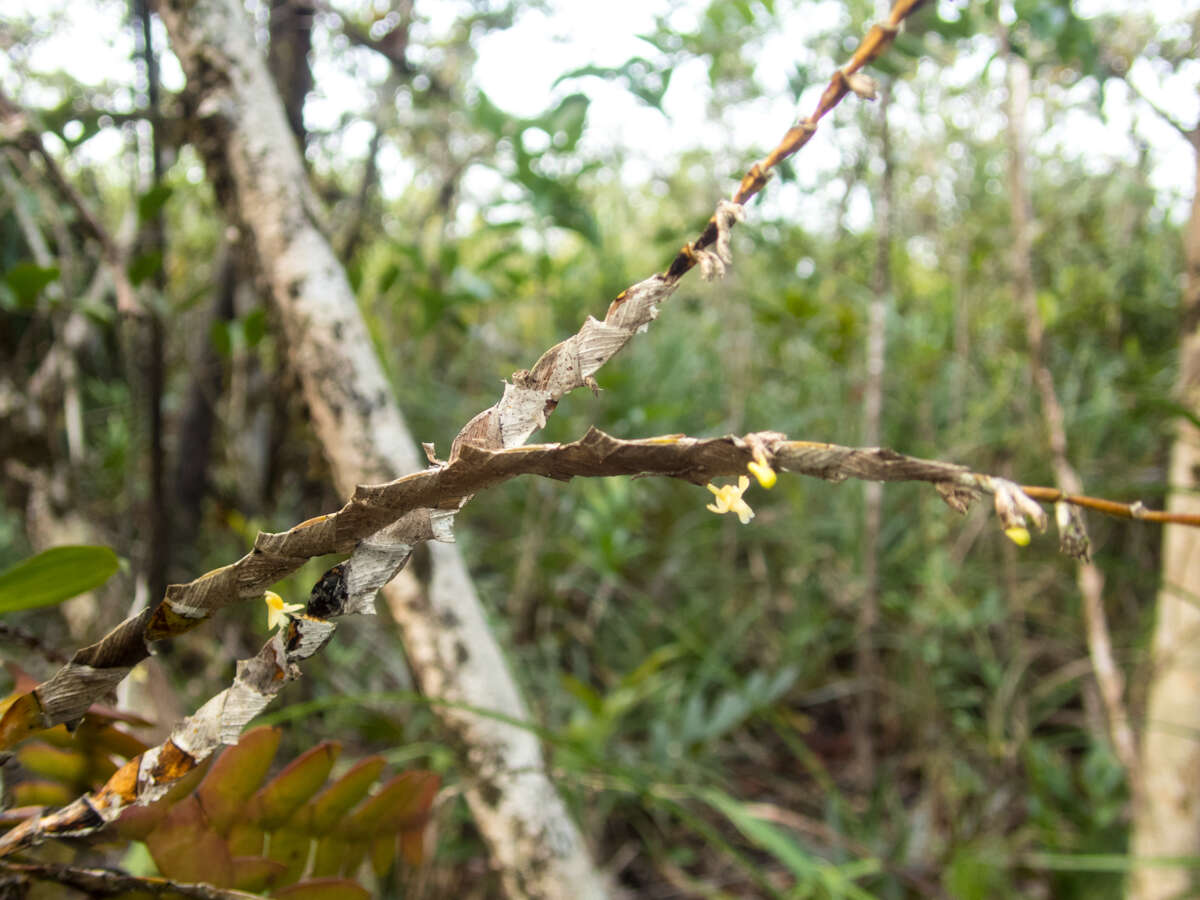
(144, 265)
(152, 202)
(27, 280)
(300, 779)
(55, 575)
(237, 774)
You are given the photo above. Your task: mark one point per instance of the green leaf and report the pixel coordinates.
(55, 575)
(254, 326)
(27, 280)
(150, 204)
(807, 867)
(144, 266)
(298, 781)
(220, 334)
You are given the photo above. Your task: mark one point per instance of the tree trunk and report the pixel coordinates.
(259, 177)
(1166, 810)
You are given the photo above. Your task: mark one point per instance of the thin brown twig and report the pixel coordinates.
(96, 882)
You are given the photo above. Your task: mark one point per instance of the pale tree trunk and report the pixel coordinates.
(253, 161)
(1166, 810)
(1088, 578)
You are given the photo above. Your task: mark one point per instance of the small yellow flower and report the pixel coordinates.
(1019, 535)
(763, 472)
(277, 610)
(729, 499)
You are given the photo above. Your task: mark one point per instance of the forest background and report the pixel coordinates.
(690, 678)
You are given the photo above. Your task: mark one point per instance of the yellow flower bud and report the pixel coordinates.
(1018, 534)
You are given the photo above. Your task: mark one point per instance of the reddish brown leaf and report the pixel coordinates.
(135, 822)
(236, 774)
(402, 803)
(255, 873)
(323, 889)
(290, 848)
(245, 838)
(67, 766)
(42, 793)
(413, 845)
(22, 718)
(335, 856)
(300, 779)
(322, 813)
(186, 849)
(118, 741)
(383, 854)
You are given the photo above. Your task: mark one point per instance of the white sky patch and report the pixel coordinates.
(517, 68)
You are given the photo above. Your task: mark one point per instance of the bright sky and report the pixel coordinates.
(519, 66)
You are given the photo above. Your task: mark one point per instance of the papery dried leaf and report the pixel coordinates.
(290, 789)
(236, 774)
